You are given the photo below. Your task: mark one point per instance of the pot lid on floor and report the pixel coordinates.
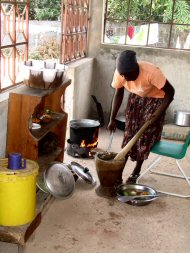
(83, 173)
(59, 180)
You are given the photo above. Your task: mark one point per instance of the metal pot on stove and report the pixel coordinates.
(83, 129)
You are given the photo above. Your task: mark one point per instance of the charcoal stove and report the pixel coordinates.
(77, 151)
(83, 138)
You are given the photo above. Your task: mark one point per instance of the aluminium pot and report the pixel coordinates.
(182, 118)
(84, 129)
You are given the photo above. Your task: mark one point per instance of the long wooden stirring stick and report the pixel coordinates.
(135, 138)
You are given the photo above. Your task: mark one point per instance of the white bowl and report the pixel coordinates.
(43, 75)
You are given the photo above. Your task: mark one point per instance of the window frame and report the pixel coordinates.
(72, 49)
(74, 28)
(148, 22)
(13, 67)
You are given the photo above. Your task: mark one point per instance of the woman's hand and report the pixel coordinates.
(116, 103)
(111, 126)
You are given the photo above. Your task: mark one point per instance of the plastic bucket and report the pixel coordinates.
(17, 193)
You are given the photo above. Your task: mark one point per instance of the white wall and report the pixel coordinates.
(78, 96)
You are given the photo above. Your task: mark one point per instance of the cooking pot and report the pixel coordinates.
(83, 129)
(182, 118)
(120, 122)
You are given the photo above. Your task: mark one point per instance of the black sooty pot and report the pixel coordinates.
(84, 129)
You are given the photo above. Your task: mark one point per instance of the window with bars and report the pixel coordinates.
(148, 23)
(74, 30)
(15, 36)
(13, 41)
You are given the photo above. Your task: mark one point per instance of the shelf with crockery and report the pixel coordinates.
(23, 102)
(44, 128)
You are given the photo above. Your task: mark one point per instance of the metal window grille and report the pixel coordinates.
(13, 41)
(152, 23)
(14, 37)
(74, 30)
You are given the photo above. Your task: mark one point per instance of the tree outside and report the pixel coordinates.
(162, 12)
(45, 10)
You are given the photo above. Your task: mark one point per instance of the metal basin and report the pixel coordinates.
(131, 189)
(182, 118)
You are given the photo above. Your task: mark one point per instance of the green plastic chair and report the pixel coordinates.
(172, 150)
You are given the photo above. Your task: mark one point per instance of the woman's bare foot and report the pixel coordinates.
(132, 179)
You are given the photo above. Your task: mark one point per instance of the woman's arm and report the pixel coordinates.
(169, 91)
(116, 103)
(168, 98)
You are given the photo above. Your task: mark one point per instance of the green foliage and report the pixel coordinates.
(158, 9)
(45, 9)
(181, 12)
(32, 12)
(140, 10)
(117, 9)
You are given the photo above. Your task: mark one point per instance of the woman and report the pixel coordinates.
(149, 89)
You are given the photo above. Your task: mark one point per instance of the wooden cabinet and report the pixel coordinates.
(22, 104)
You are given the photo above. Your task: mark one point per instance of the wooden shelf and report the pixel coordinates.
(26, 90)
(45, 128)
(44, 160)
(23, 102)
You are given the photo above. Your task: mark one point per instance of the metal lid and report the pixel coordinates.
(59, 180)
(83, 172)
(40, 183)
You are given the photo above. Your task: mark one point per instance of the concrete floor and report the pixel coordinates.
(87, 223)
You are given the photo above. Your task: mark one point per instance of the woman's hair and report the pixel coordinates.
(126, 62)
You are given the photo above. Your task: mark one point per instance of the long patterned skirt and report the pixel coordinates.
(138, 111)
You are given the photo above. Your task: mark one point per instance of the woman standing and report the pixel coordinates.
(149, 90)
